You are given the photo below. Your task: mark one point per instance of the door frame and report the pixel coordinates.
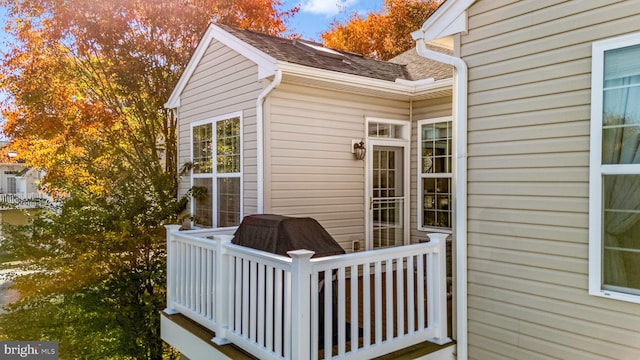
(403, 140)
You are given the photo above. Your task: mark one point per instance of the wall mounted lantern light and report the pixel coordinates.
(358, 149)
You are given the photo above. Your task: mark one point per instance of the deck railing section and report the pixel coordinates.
(348, 306)
(380, 301)
(194, 274)
(23, 200)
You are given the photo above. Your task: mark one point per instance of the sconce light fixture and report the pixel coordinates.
(358, 149)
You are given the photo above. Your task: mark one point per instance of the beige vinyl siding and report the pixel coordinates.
(310, 170)
(528, 154)
(224, 82)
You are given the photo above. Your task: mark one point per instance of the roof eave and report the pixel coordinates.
(403, 88)
(421, 89)
(449, 19)
(266, 63)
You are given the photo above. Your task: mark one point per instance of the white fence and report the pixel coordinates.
(24, 200)
(358, 305)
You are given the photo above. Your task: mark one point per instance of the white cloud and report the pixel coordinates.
(326, 7)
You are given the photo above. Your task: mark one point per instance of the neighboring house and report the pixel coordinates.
(270, 125)
(18, 185)
(15, 177)
(548, 235)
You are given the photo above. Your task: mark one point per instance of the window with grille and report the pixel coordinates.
(435, 174)
(614, 183)
(217, 172)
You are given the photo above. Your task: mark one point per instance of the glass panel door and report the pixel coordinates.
(388, 196)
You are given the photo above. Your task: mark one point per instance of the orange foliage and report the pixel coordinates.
(88, 79)
(381, 35)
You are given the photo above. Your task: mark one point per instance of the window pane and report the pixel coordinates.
(621, 106)
(387, 172)
(202, 152)
(228, 202)
(436, 159)
(228, 145)
(436, 147)
(382, 130)
(202, 201)
(11, 184)
(388, 217)
(621, 233)
(436, 202)
(621, 63)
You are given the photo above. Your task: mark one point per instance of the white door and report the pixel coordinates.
(388, 195)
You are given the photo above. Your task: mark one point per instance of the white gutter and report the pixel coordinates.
(460, 185)
(260, 138)
(415, 83)
(400, 87)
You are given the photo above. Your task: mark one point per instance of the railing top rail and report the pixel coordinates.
(264, 257)
(207, 242)
(358, 258)
(210, 231)
(267, 258)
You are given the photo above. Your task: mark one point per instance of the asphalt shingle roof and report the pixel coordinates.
(419, 67)
(404, 66)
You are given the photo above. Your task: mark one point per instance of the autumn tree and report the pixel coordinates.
(381, 35)
(86, 81)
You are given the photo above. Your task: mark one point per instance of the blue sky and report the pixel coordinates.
(3, 36)
(313, 19)
(316, 15)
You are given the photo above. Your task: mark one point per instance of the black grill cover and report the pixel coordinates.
(278, 234)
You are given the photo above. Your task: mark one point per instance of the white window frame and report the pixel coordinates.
(420, 176)
(214, 176)
(399, 137)
(597, 169)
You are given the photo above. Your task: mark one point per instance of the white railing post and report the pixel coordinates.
(438, 267)
(222, 295)
(171, 268)
(301, 303)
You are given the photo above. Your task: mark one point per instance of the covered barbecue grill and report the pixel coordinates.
(278, 234)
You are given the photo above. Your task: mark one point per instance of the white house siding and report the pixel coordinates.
(310, 170)
(529, 96)
(224, 82)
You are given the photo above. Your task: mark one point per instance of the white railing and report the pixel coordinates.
(23, 200)
(358, 305)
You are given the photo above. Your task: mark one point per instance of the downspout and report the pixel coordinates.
(460, 186)
(260, 138)
(173, 116)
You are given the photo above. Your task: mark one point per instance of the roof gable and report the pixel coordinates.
(271, 53)
(449, 19)
(266, 64)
